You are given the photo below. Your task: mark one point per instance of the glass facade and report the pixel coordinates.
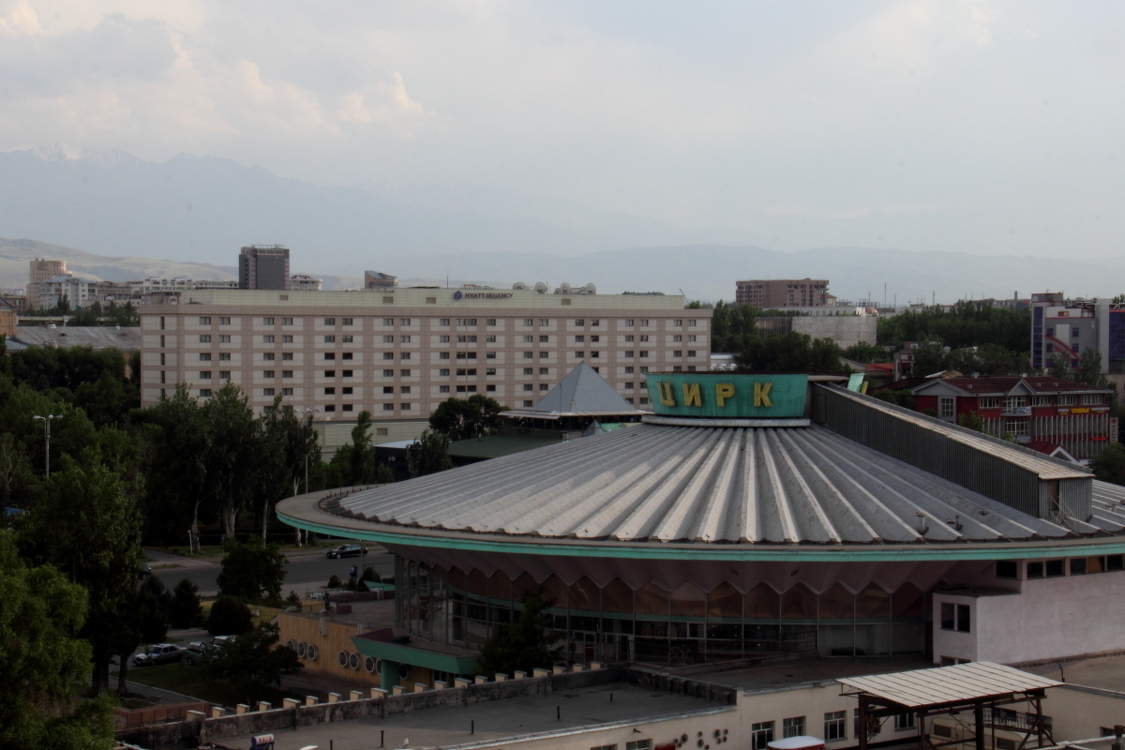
(618, 622)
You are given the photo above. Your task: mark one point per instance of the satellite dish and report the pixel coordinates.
(565, 287)
(591, 289)
(540, 287)
(519, 285)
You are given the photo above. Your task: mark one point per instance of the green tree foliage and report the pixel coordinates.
(95, 315)
(286, 443)
(972, 421)
(1090, 369)
(185, 609)
(88, 526)
(522, 644)
(252, 571)
(903, 398)
(987, 359)
(930, 357)
(252, 661)
(464, 419)
(1109, 466)
(229, 616)
(1059, 366)
(143, 620)
(968, 323)
(867, 353)
(732, 327)
(43, 661)
(791, 353)
(356, 463)
(429, 454)
(234, 449)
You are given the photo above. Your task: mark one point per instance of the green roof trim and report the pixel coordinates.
(378, 586)
(415, 657)
(724, 552)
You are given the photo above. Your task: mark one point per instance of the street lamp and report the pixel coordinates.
(47, 440)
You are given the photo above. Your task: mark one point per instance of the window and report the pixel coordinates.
(286, 391)
(529, 403)
(205, 392)
(639, 745)
(491, 322)
(443, 389)
(679, 323)
(490, 355)
(269, 374)
(941, 730)
(1078, 566)
(267, 391)
(955, 617)
(284, 321)
(205, 321)
(490, 371)
(678, 353)
(1007, 569)
(945, 407)
(904, 721)
(204, 339)
(329, 373)
(388, 339)
(404, 322)
(528, 355)
(286, 373)
(490, 388)
(1068, 400)
(329, 321)
(388, 407)
(1035, 570)
(595, 322)
(490, 339)
(287, 339)
(466, 339)
(544, 355)
(527, 371)
(691, 352)
(224, 321)
(330, 391)
(404, 339)
(405, 407)
(205, 357)
(528, 387)
(544, 322)
(267, 339)
(644, 369)
(629, 353)
(347, 390)
(644, 353)
(544, 387)
(348, 339)
(267, 357)
(761, 734)
(835, 726)
(348, 321)
(604, 747)
(388, 389)
(644, 338)
(330, 407)
(528, 322)
(404, 389)
(1091, 399)
(579, 339)
(441, 322)
(466, 321)
(544, 339)
(629, 370)
(204, 374)
(677, 339)
(391, 355)
(329, 356)
(391, 321)
(644, 322)
(692, 323)
(528, 339)
(1055, 569)
(287, 356)
(348, 355)
(1039, 400)
(794, 727)
(443, 339)
(443, 372)
(992, 402)
(691, 338)
(544, 371)
(347, 407)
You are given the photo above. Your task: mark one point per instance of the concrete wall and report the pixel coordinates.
(845, 330)
(1053, 618)
(336, 637)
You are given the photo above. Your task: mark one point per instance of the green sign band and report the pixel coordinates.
(727, 395)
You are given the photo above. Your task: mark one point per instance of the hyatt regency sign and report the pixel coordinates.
(694, 394)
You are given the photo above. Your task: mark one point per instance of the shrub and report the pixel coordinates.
(334, 582)
(229, 616)
(185, 610)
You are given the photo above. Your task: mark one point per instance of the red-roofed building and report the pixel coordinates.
(1040, 412)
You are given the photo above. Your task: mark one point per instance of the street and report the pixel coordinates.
(306, 570)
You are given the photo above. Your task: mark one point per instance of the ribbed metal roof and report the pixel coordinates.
(712, 485)
(920, 688)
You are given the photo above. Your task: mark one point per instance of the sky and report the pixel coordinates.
(960, 125)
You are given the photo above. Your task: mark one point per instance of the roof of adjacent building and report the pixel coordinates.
(583, 392)
(1002, 386)
(127, 339)
(712, 485)
(939, 686)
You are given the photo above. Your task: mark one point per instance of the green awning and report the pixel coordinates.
(415, 657)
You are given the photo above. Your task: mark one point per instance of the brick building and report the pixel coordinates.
(1041, 412)
(769, 293)
(399, 353)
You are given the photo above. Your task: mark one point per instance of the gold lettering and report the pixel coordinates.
(762, 394)
(667, 395)
(691, 394)
(723, 391)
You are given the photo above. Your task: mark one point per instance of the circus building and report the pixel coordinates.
(754, 515)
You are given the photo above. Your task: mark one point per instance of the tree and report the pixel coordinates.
(229, 616)
(43, 660)
(732, 326)
(929, 357)
(987, 359)
(791, 353)
(464, 419)
(1059, 366)
(1090, 369)
(235, 447)
(144, 620)
(903, 398)
(185, 609)
(88, 527)
(972, 421)
(429, 454)
(252, 571)
(867, 353)
(965, 324)
(252, 661)
(287, 443)
(1109, 466)
(522, 644)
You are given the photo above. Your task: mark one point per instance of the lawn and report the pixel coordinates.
(180, 678)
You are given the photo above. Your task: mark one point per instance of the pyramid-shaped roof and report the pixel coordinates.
(582, 392)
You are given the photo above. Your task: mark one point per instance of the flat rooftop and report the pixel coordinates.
(495, 720)
(788, 673)
(1104, 673)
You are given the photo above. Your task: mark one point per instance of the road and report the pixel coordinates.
(305, 570)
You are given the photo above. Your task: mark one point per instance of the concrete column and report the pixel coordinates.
(290, 702)
(241, 708)
(311, 700)
(480, 679)
(378, 693)
(196, 716)
(333, 697)
(355, 695)
(217, 712)
(540, 672)
(558, 669)
(264, 705)
(461, 682)
(419, 687)
(440, 685)
(398, 690)
(501, 677)
(519, 675)
(577, 667)
(596, 665)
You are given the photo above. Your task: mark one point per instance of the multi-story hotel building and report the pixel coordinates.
(399, 353)
(767, 293)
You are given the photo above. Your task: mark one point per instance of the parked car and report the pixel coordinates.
(196, 650)
(346, 550)
(161, 653)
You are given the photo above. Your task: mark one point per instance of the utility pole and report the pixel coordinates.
(47, 442)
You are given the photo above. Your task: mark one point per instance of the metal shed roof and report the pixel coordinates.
(127, 339)
(922, 688)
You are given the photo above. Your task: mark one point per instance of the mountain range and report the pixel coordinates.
(123, 212)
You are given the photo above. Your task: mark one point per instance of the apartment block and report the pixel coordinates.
(399, 353)
(769, 293)
(42, 270)
(263, 267)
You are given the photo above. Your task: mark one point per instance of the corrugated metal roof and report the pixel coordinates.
(583, 392)
(712, 484)
(920, 688)
(127, 339)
